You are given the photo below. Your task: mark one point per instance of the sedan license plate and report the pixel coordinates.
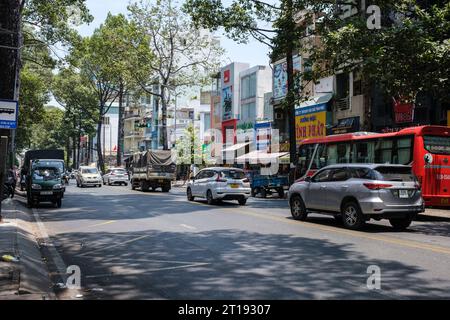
(403, 194)
(46, 193)
(234, 185)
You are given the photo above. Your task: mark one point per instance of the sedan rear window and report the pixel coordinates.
(233, 174)
(89, 170)
(388, 173)
(119, 171)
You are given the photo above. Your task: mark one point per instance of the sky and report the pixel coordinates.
(253, 53)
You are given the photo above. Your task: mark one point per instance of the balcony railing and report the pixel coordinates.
(342, 104)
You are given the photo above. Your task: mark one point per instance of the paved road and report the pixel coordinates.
(135, 245)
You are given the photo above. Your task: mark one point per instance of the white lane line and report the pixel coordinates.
(56, 257)
(187, 226)
(117, 245)
(140, 273)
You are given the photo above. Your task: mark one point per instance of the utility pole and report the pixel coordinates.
(3, 151)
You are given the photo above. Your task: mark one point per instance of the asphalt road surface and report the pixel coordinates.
(134, 245)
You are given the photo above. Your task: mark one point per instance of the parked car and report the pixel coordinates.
(356, 193)
(216, 184)
(115, 175)
(88, 176)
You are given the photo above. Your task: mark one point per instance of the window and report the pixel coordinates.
(436, 144)
(322, 176)
(338, 153)
(363, 152)
(320, 159)
(404, 151)
(248, 86)
(305, 156)
(383, 151)
(248, 111)
(357, 83)
(89, 170)
(233, 174)
(394, 174)
(342, 85)
(363, 173)
(340, 174)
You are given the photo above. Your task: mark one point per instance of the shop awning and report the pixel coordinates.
(236, 146)
(319, 99)
(260, 157)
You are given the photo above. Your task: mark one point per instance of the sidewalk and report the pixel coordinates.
(436, 212)
(27, 279)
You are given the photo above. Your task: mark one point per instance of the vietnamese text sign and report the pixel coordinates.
(310, 122)
(8, 114)
(227, 103)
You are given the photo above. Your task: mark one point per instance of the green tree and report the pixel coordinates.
(412, 44)
(270, 23)
(184, 56)
(109, 61)
(49, 133)
(79, 101)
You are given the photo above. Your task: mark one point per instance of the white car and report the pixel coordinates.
(115, 175)
(218, 183)
(88, 176)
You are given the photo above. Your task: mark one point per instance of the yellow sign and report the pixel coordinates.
(310, 122)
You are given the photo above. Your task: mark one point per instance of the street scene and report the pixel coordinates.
(224, 150)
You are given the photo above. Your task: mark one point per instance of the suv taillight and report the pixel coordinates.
(246, 180)
(377, 186)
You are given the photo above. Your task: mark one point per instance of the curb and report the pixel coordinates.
(34, 277)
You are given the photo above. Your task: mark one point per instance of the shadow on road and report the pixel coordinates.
(234, 264)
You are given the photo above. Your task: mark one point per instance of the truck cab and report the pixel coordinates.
(44, 182)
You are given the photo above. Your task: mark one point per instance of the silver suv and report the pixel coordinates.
(216, 184)
(357, 193)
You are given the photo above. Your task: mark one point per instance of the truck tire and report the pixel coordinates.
(281, 193)
(144, 186)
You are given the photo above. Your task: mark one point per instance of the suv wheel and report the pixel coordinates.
(298, 209)
(189, 195)
(400, 223)
(209, 197)
(352, 216)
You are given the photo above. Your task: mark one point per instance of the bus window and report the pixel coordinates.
(363, 152)
(436, 144)
(383, 151)
(304, 158)
(338, 153)
(332, 154)
(404, 151)
(320, 160)
(343, 153)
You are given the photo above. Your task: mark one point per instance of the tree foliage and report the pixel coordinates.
(184, 56)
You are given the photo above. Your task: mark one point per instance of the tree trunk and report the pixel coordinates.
(120, 128)
(68, 152)
(164, 103)
(78, 146)
(74, 152)
(100, 162)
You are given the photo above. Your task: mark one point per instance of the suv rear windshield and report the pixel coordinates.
(119, 171)
(233, 174)
(436, 144)
(394, 173)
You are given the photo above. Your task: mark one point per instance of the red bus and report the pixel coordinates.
(425, 148)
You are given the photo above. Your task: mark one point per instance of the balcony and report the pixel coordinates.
(134, 134)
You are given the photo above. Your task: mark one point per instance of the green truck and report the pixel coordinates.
(44, 170)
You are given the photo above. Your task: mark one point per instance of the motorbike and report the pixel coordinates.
(8, 190)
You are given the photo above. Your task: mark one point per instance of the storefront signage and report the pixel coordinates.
(310, 122)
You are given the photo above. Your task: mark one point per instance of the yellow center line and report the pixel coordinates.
(357, 234)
